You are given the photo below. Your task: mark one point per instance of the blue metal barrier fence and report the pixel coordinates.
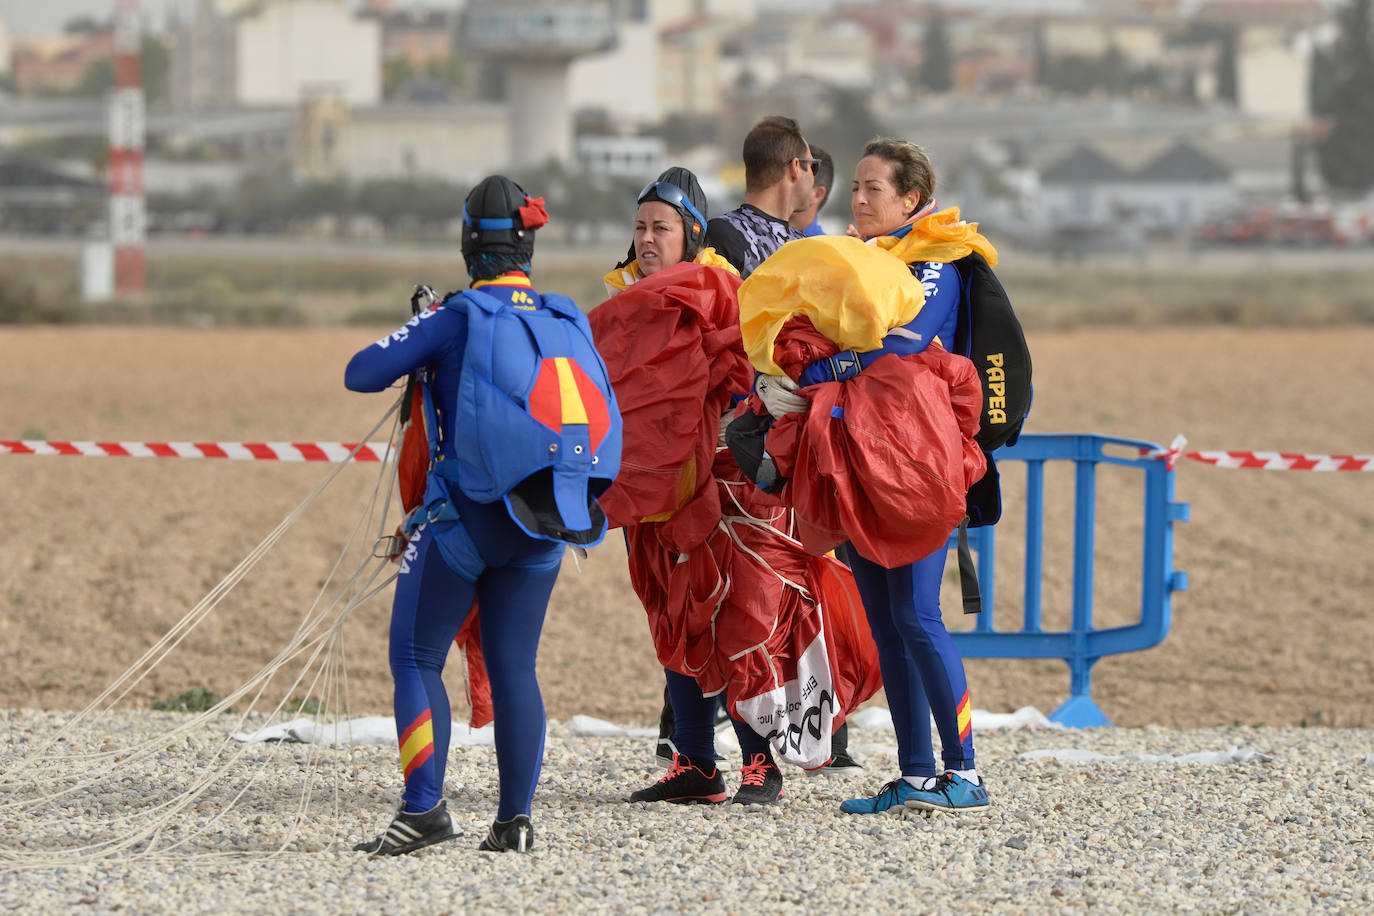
(1082, 644)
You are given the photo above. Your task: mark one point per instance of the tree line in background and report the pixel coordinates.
(155, 65)
(584, 206)
(270, 201)
(1343, 97)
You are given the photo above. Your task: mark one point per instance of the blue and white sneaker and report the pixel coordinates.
(892, 795)
(951, 792)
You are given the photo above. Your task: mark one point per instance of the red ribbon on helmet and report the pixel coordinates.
(532, 214)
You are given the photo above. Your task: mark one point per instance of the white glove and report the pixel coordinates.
(779, 395)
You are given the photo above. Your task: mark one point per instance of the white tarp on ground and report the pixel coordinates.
(1075, 755)
(381, 730)
(369, 730)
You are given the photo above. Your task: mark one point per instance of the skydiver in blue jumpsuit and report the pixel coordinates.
(904, 603)
(923, 672)
(469, 550)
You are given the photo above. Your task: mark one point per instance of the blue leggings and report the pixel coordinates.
(923, 673)
(694, 722)
(431, 603)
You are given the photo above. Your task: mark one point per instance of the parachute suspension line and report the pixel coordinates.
(336, 697)
(141, 668)
(391, 460)
(727, 524)
(778, 513)
(331, 670)
(170, 809)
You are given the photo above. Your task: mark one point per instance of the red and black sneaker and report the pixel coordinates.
(685, 783)
(760, 782)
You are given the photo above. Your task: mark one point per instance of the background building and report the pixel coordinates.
(6, 48)
(287, 49)
(58, 63)
(203, 54)
(456, 142)
(532, 43)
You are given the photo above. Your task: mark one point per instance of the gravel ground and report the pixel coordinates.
(1283, 826)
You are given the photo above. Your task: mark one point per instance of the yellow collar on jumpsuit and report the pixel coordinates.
(851, 293)
(620, 279)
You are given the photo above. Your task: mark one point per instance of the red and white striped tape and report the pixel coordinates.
(375, 451)
(1268, 461)
(1284, 461)
(236, 451)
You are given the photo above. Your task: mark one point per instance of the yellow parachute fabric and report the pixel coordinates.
(853, 293)
(619, 279)
(939, 236)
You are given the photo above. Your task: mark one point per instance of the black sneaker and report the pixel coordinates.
(409, 832)
(514, 835)
(665, 752)
(685, 783)
(840, 762)
(760, 782)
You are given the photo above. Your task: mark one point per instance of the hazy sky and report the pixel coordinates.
(27, 18)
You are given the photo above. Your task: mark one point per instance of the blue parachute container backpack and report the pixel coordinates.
(536, 424)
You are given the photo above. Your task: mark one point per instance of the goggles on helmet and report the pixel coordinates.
(673, 196)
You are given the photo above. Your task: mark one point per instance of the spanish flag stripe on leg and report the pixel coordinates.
(418, 759)
(417, 743)
(965, 718)
(421, 721)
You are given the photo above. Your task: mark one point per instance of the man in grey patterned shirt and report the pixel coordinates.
(778, 176)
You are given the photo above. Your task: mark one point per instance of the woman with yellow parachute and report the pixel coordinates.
(874, 452)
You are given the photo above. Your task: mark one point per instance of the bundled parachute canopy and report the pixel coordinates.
(853, 294)
(885, 459)
(671, 347)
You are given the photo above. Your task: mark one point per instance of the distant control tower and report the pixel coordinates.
(534, 42)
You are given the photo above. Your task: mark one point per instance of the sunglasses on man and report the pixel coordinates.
(812, 164)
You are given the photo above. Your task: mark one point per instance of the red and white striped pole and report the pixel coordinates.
(128, 219)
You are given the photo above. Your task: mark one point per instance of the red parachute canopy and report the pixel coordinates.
(672, 345)
(884, 459)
